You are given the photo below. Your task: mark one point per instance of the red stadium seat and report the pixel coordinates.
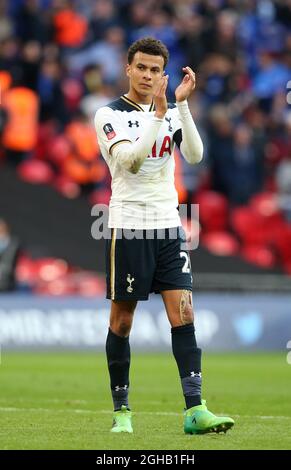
(266, 205)
(90, 285)
(50, 269)
(220, 243)
(213, 210)
(26, 271)
(282, 243)
(58, 287)
(259, 255)
(73, 91)
(249, 225)
(67, 187)
(59, 150)
(35, 171)
(100, 196)
(46, 133)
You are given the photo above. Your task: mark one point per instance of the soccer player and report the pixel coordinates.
(137, 134)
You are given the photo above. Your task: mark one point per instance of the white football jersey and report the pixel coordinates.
(147, 199)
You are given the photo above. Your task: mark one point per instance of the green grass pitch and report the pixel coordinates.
(62, 401)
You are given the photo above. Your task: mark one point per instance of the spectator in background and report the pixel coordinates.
(137, 15)
(236, 158)
(50, 91)
(283, 174)
(70, 27)
(192, 38)
(283, 179)
(5, 81)
(83, 164)
(20, 133)
(3, 120)
(272, 77)
(32, 24)
(108, 54)
(9, 55)
(220, 149)
(247, 165)
(98, 93)
(102, 18)
(30, 64)
(6, 25)
(9, 251)
(221, 38)
(218, 80)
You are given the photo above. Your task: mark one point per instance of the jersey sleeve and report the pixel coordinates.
(109, 128)
(177, 127)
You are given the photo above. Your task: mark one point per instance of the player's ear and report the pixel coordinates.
(128, 70)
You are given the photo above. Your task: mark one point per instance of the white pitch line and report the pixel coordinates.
(52, 400)
(72, 410)
(70, 401)
(150, 413)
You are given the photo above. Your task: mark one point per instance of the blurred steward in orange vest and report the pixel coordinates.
(70, 27)
(179, 184)
(19, 136)
(5, 83)
(84, 165)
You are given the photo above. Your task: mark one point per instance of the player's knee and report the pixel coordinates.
(124, 327)
(186, 308)
(188, 316)
(121, 325)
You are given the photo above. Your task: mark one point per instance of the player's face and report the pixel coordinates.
(144, 73)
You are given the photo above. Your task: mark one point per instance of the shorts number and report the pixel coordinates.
(186, 267)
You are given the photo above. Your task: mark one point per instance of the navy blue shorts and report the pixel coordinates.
(135, 267)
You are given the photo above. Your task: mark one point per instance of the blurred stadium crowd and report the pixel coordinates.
(60, 60)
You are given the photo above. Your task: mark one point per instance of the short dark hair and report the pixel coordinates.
(149, 46)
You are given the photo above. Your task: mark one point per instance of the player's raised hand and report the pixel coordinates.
(187, 85)
(160, 98)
